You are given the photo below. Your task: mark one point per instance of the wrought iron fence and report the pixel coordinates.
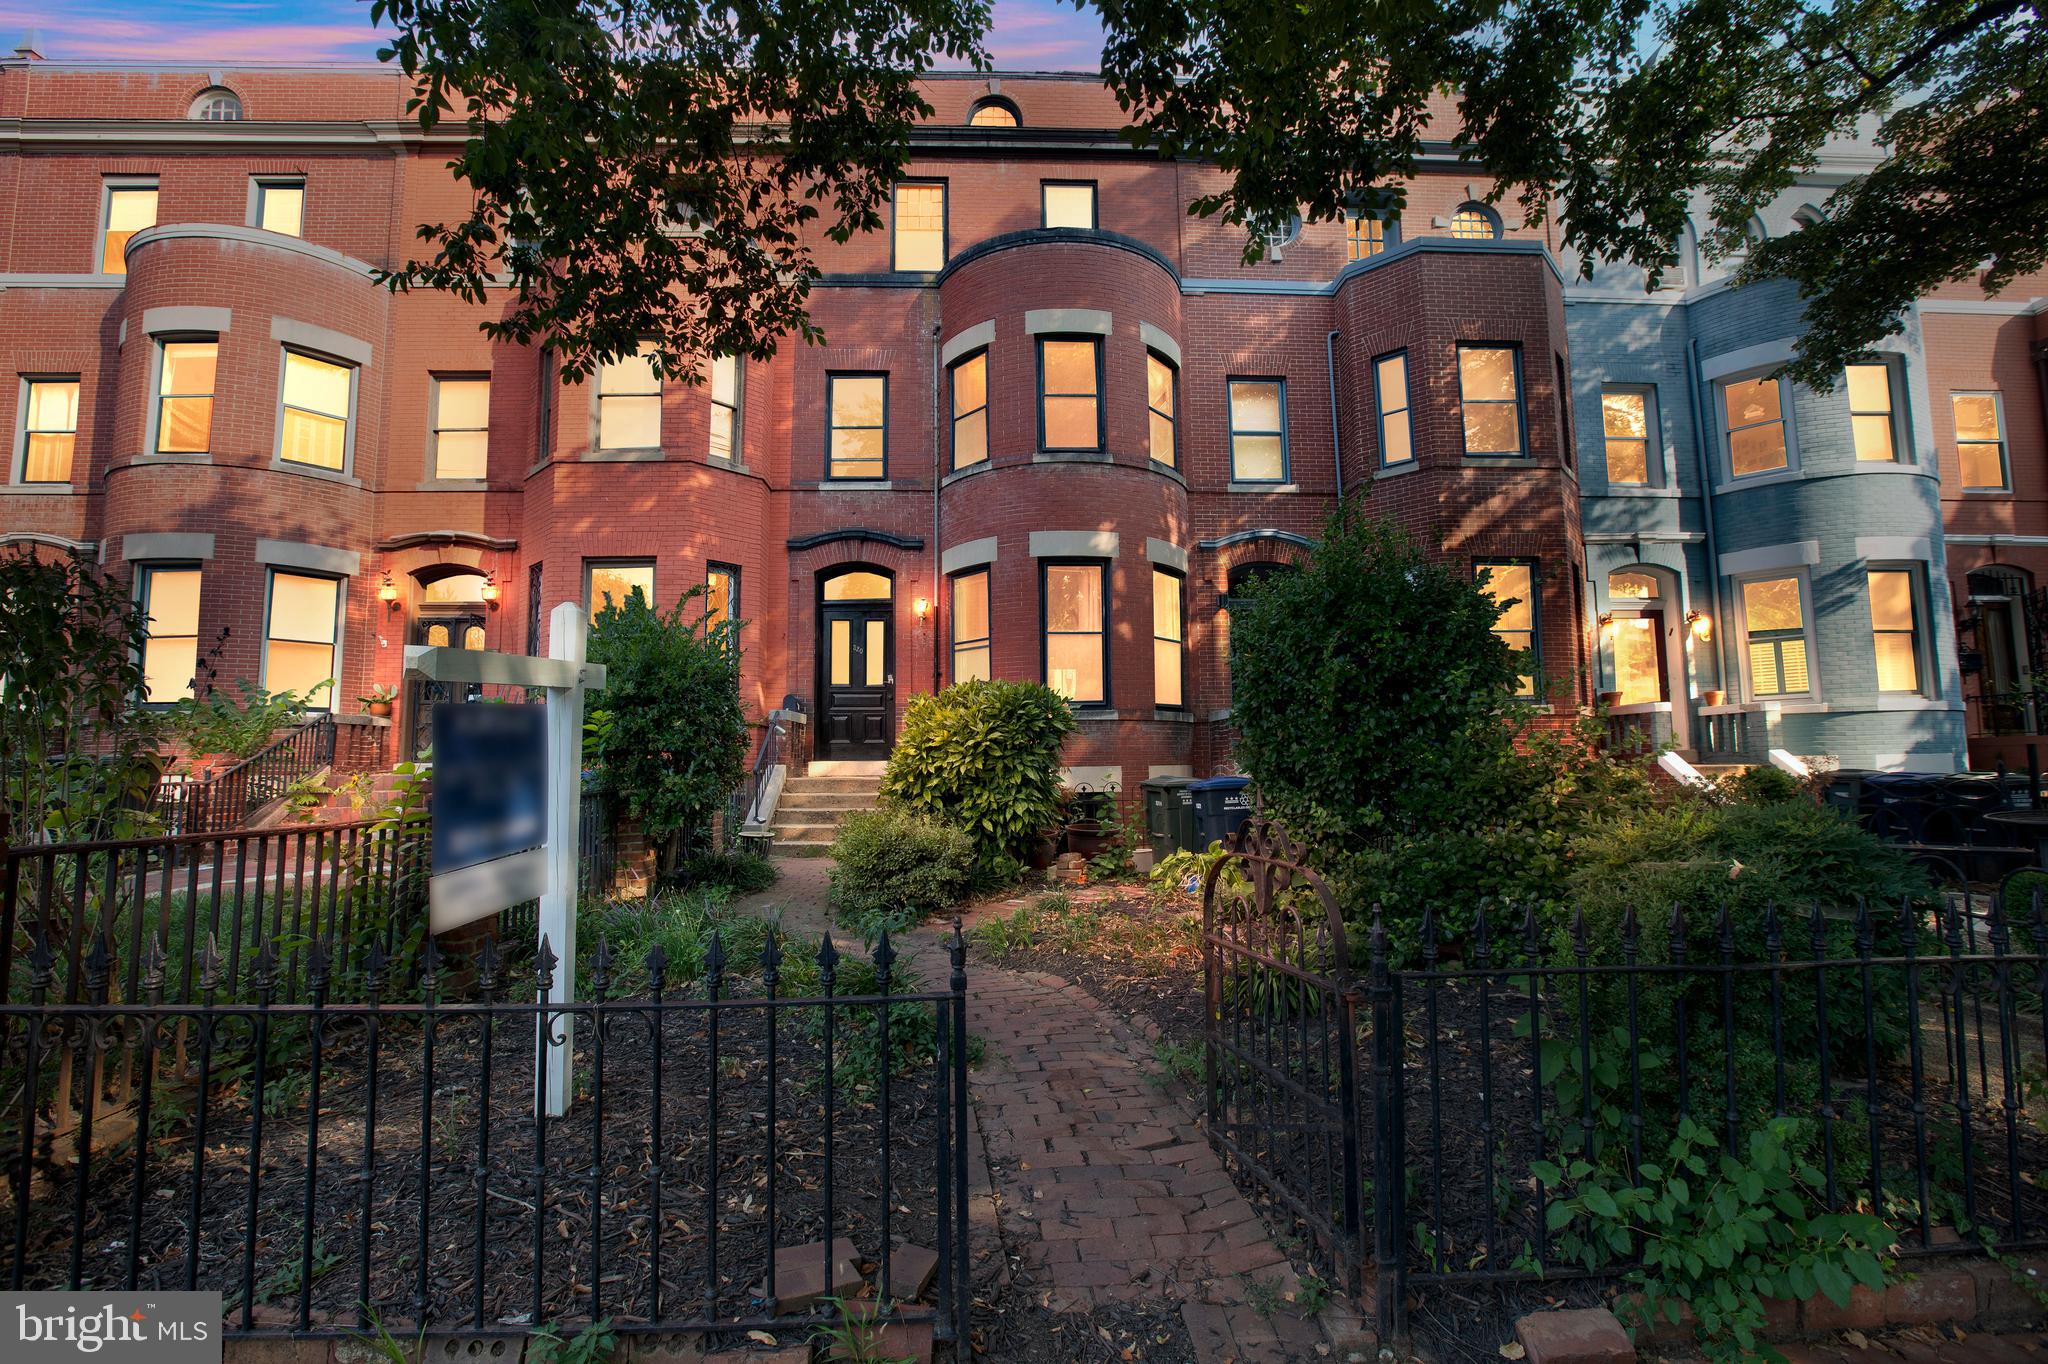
(226, 799)
(345, 1161)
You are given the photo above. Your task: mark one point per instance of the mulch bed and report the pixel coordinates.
(612, 1212)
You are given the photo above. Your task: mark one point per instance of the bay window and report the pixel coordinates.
(970, 626)
(170, 646)
(1074, 616)
(300, 629)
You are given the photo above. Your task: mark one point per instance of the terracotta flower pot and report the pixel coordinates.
(1713, 697)
(1084, 836)
(380, 709)
(1610, 699)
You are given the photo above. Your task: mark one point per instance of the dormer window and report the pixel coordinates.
(994, 112)
(1475, 222)
(217, 106)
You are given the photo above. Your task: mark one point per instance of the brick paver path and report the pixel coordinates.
(1101, 1183)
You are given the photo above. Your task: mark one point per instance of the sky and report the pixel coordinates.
(1027, 34)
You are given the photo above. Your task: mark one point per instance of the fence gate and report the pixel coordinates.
(1279, 1037)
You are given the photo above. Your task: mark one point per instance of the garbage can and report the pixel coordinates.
(1221, 805)
(1169, 815)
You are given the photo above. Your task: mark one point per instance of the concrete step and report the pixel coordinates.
(784, 848)
(841, 767)
(804, 799)
(805, 831)
(846, 786)
(786, 818)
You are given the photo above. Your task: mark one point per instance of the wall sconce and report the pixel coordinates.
(387, 592)
(490, 591)
(920, 607)
(1702, 628)
(1606, 621)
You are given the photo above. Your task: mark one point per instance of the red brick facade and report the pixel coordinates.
(1149, 278)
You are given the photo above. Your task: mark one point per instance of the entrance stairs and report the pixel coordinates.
(808, 815)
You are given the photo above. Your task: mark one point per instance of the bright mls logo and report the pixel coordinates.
(162, 1328)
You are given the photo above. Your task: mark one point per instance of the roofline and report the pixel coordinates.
(391, 69)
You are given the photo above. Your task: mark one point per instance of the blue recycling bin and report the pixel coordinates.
(1221, 805)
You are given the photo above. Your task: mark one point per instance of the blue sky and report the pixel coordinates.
(1028, 34)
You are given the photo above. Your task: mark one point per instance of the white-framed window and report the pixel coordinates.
(1755, 425)
(722, 378)
(301, 630)
(1980, 440)
(462, 426)
(1873, 411)
(970, 626)
(316, 404)
(181, 419)
(629, 402)
(169, 594)
(1778, 635)
(1628, 424)
(279, 205)
(1169, 634)
(1475, 222)
(49, 428)
(127, 206)
(1895, 627)
(216, 105)
(1390, 398)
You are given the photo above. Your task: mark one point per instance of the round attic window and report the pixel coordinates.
(217, 106)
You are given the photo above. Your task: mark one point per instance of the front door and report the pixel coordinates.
(461, 632)
(856, 647)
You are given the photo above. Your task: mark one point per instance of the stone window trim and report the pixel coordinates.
(109, 186)
(970, 554)
(190, 547)
(17, 462)
(980, 336)
(1104, 569)
(1075, 321)
(322, 702)
(1738, 607)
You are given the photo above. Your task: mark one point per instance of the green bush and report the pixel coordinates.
(985, 758)
(241, 725)
(892, 867)
(741, 872)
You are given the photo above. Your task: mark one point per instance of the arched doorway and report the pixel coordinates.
(856, 662)
(1648, 648)
(450, 616)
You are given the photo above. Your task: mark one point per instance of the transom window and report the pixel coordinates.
(1258, 430)
(462, 428)
(170, 649)
(130, 207)
(1475, 222)
(1070, 393)
(920, 239)
(1626, 586)
(1870, 412)
(970, 626)
(1363, 236)
(1625, 423)
(1895, 629)
(314, 425)
(1490, 393)
(299, 636)
(859, 440)
(184, 405)
(859, 584)
(1511, 584)
(281, 206)
(970, 410)
(1774, 614)
(50, 430)
(1162, 385)
(1076, 625)
(722, 377)
(613, 583)
(1169, 628)
(1390, 393)
(1980, 439)
(629, 402)
(1753, 417)
(1068, 203)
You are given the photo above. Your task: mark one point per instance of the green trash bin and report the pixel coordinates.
(1169, 815)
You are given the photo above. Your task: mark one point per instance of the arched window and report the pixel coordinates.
(1475, 222)
(216, 105)
(995, 112)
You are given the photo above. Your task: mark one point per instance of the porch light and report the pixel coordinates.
(1702, 628)
(489, 591)
(1606, 621)
(387, 592)
(920, 607)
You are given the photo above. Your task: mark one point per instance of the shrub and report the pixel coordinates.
(670, 740)
(985, 758)
(1764, 786)
(892, 867)
(241, 725)
(741, 872)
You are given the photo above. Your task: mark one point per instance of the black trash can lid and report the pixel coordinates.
(1221, 783)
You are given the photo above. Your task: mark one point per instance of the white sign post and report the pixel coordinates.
(565, 676)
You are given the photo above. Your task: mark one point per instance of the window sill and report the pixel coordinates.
(1636, 490)
(38, 490)
(1072, 457)
(171, 459)
(285, 466)
(1738, 709)
(1242, 486)
(1806, 706)
(1913, 701)
(1642, 708)
(1087, 713)
(453, 485)
(1219, 716)
(854, 485)
(731, 466)
(1748, 481)
(1173, 716)
(1167, 471)
(621, 456)
(1500, 462)
(1988, 492)
(980, 466)
(1406, 466)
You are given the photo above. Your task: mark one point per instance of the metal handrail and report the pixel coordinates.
(227, 797)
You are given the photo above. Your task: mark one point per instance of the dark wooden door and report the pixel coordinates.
(857, 679)
(460, 632)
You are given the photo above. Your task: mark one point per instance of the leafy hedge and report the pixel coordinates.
(985, 758)
(892, 867)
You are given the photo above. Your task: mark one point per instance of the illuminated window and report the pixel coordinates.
(1774, 615)
(1390, 384)
(1895, 629)
(920, 227)
(614, 583)
(1871, 412)
(1363, 236)
(1490, 394)
(49, 430)
(994, 113)
(313, 425)
(859, 440)
(1169, 684)
(1069, 393)
(170, 649)
(1162, 385)
(970, 626)
(722, 377)
(184, 404)
(1753, 420)
(299, 636)
(1067, 204)
(721, 596)
(1625, 423)
(629, 402)
(1512, 585)
(281, 206)
(970, 409)
(462, 428)
(859, 585)
(1980, 438)
(1075, 620)
(130, 207)
(1475, 222)
(1258, 430)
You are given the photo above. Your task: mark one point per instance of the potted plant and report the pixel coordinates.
(378, 702)
(1609, 700)
(1085, 833)
(1712, 696)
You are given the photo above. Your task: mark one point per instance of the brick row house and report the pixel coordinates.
(1054, 423)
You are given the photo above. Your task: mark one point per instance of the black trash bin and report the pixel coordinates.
(1221, 804)
(1169, 815)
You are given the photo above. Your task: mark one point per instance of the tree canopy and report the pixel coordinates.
(602, 137)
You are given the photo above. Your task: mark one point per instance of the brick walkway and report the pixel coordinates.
(1102, 1185)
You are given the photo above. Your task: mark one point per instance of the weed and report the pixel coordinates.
(594, 1344)
(381, 1343)
(856, 1337)
(1180, 1061)
(1266, 1296)
(1313, 1295)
